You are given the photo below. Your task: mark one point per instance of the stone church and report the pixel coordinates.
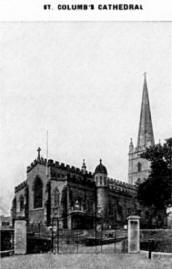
(79, 198)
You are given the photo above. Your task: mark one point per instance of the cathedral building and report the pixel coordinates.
(81, 199)
(139, 168)
(76, 197)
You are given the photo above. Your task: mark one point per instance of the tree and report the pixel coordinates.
(156, 190)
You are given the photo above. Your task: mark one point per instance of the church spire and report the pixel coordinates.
(84, 168)
(145, 134)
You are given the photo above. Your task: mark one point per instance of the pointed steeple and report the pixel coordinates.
(84, 168)
(145, 134)
(131, 146)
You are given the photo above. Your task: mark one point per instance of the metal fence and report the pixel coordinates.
(82, 241)
(65, 241)
(157, 240)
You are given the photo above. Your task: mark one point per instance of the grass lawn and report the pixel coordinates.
(84, 261)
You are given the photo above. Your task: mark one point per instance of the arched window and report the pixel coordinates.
(139, 167)
(56, 197)
(21, 203)
(104, 180)
(37, 190)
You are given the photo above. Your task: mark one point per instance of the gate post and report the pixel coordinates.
(133, 234)
(20, 236)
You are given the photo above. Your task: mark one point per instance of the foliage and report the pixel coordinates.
(156, 190)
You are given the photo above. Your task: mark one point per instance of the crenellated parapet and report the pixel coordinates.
(120, 186)
(86, 181)
(35, 162)
(21, 186)
(62, 166)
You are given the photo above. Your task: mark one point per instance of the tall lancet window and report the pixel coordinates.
(38, 192)
(21, 203)
(56, 197)
(139, 167)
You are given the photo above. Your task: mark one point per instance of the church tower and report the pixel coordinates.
(139, 168)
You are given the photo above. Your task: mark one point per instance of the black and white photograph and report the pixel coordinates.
(86, 145)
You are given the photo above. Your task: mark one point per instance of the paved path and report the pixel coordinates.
(84, 261)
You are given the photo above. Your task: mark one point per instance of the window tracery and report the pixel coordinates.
(21, 203)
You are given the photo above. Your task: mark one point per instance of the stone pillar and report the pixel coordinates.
(133, 234)
(69, 222)
(20, 236)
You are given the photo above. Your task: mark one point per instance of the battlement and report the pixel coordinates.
(20, 186)
(120, 186)
(76, 174)
(56, 164)
(35, 162)
(80, 180)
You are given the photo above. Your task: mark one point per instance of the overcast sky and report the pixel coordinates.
(83, 82)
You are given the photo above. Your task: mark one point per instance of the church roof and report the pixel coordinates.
(100, 169)
(145, 134)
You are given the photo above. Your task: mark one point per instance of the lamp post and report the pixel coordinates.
(95, 214)
(169, 141)
(169, 155)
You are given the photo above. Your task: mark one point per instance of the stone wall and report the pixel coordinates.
(35, 213)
